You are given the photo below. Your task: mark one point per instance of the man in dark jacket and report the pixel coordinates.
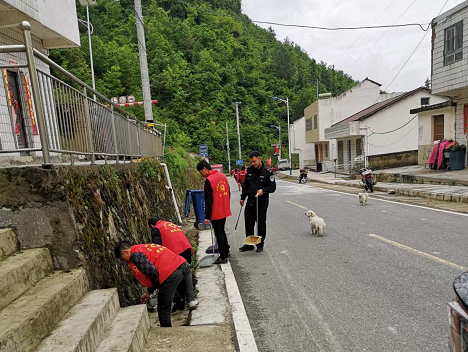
(259, 183)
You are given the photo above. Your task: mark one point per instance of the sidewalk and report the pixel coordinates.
(421, 175)
(440, 192)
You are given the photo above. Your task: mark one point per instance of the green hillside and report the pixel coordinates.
(202, 56)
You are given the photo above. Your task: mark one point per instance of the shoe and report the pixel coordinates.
(178, 306)
(193, 304)
(220, 261)
(246, 248)
(259, 249)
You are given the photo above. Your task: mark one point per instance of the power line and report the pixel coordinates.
(417, 46)
(365, 52)
(396, 129)
(349, 47)
(386, 145)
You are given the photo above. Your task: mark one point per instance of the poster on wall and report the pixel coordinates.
(30, 107)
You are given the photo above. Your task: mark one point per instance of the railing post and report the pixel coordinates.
(129, 138)
(138, 138)
(26, 28)
(88, 126)
(114, 134)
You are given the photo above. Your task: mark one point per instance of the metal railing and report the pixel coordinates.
(72, 118)
(348, 169)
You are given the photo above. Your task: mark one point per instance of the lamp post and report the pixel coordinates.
(238, 129)
(89, 3)
(289, 145)
(279, 140)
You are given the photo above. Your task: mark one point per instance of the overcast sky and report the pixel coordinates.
(384, 59)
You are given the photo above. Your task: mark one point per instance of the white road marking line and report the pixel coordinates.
(245, 337)
(297, 205)
(415, 251)
(390, 201)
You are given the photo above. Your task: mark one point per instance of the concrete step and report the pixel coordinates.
(83, 327)
(26, 321)
(20, 272)
(8, 243)
(128, 331)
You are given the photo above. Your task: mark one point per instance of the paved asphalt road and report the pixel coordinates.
(348, 291)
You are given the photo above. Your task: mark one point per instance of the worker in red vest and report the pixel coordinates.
(242, 175)
(236, 177)
(171, 236)
(157, 267)
(217, 206)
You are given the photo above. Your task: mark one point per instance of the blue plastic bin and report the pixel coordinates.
(197, 197)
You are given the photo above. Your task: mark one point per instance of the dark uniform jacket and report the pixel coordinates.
(258, 179)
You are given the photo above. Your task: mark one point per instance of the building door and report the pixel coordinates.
(340, 153)
(18, 121)
(438, 130)
(349, 150)
(358, 147)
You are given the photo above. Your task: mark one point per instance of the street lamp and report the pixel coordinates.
(289, 145)
(279, 140)
(89, 3)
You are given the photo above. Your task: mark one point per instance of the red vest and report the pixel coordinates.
(162, 258)
(173, 237)
(242, 175)
(221, 200)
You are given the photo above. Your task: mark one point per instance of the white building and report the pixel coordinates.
(298, 142)
(53, 25)
(450, 63)
(391, 129)
(324, 113)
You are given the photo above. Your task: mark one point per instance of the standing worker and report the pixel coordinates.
(157, 267)
(236, 177)
(217, 206)
(171, 236)
(242, 175)
(258, 185)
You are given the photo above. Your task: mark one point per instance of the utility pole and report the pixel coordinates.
(238, 130)
(227, 148)
(289, 143)
(145, 83)
(317, 89)
(279, 138)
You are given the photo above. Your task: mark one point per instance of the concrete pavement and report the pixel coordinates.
(377, 281)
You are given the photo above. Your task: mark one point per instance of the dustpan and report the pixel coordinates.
(253, 240)
(209, 259)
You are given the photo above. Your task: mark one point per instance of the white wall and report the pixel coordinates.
(298, 141)
(426, 126)
(395, 116)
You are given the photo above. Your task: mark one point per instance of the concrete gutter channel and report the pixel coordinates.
(219, 323)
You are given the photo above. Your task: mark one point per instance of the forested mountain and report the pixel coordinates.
(203, 55)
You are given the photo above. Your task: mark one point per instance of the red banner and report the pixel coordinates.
(30, 106)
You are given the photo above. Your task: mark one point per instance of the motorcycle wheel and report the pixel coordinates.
(303, 180)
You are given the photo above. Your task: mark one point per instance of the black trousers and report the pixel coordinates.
(220, 234)
(168, 289)
(179, 297)
(250, 217)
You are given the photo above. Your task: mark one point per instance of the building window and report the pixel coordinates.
(425, 101)
(309, 124)
(315, 122)
(326, 150)
(453, 43)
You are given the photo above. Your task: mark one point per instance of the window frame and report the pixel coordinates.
(309, 120)
(453, 45)
(428, 101)
(315, 122)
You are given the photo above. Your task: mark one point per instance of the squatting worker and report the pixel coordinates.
(171, 236)
(217, 206)
(259, 182)
(157, 267)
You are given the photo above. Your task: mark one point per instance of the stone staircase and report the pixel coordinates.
(42, 310)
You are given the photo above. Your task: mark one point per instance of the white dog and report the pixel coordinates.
(363, 198)
(317, 225)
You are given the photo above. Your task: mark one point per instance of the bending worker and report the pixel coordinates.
(171, 236)
(259, 183)
(217, 206)
(157, 267)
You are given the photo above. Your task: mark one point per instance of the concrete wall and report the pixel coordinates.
(386, 161)
(312, 135)
(395, 116)
(425, 131)
(306, 150)
(446, 79)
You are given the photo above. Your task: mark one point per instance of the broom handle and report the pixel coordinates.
(257, 215)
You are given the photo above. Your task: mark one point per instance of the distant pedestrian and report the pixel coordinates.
(242, 175)
(259, 183)
(171, 236)
(217, 206)
(236, 177)
(158, 268)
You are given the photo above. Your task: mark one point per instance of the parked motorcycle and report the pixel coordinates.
(458, 315)
(303, 176)
(367, 180)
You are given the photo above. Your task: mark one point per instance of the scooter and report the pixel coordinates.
(367, 180)
(458, 315)
(302, 176)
